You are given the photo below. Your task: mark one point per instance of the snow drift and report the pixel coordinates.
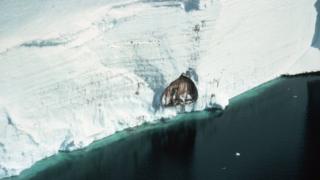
(70, 70)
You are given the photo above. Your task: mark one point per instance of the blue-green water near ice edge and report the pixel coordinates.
(270, 132)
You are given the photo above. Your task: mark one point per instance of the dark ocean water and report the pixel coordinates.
(268, 133)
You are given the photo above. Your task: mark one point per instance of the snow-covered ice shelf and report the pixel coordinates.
(70, 70)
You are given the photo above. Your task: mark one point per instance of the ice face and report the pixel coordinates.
(75, 71)
(316, 37)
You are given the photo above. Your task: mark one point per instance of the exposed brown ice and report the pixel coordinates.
(181, 91)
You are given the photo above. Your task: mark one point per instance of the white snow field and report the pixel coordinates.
(75, 71)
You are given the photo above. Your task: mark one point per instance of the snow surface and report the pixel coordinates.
(75, 71)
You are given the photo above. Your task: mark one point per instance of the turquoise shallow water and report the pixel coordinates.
(270, 132)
